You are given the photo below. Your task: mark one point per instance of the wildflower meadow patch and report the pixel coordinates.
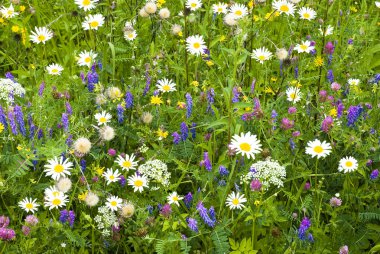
(189, 126)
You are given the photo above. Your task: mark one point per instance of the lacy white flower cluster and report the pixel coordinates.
(105, 220)
(10, 89)
(156, 170)
(269, 172)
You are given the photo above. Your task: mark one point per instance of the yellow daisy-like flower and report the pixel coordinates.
(333, 112)
(1, 127)
(22, 8)
(222, 38)
(162, 134)
(2, 20)
(180, 34)
(15, 29)
(82, 196)
(269, 90)
(210, 63)
(318, 61)
(353, 9)
(251, 4)
(195, 83)
(99, 170)
(256, 18)
(155, 100)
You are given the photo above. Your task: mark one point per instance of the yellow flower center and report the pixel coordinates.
(112, 177)
(130, 35)
(113, 203)
(9, 12)
(238, 12)
(245, 147)
(41, 37)
(29, 206)
(284, 8)
(54, 71)
(127, 164)
(138, 183)
(235, 201)
(220, 9)
(349, 164)
(193, 5)
(56, 202)
(303, 47)
(262, 58)
(87, 59)
(58, 168)
(175, 198)
(94, 24)
(55, 193)
(166, 88)
(102, 119)
(196, 45)
(293, 96)
(318, 149)
(86, 2)
(306, 15)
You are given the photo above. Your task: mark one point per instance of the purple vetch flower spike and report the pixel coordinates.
(176, 138)
(128, 100)
(189, 105)
(83, 165)
(353, 115)
(330, 76)
(204, 215)
(65, 121)
(236, 94)
(69, 109)
(192, 130)
(41, 89)
(32, 127)
(210, 100)
(83, 77)
(148, 80)
(20, 119)
(40, 133)
(184, 131)
(188, 199)
(206, 162)
(211, 211)
(296, 72)
(92, 79)
(3, 118)
(12, 122)
(253, 84)
(374, 174)
(120, 113)
(192, 224)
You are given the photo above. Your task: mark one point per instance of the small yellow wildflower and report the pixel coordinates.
(19, 147)
(257, 202)
(210, 63)
(1, 127)
(273, 79)
(82, 196)
(247, 109)
(256, 18)
(99, 170)
(353, 9)
(162, 134)
(181, 104)
(269, 90)
(22, 8)
(168, 101)
(318, 61)
(333, 112)
(251, 4)
(155, 100)
(195, 83)
(2, 20)
(32, 66)
(15, 29)
(245, 98)
(180, 34)
(222, 38)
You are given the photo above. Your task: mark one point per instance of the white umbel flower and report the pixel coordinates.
(235, 201)
(293, 94)
(29, 204)
(348, 164)
(114, 203)
(93, 22)
(261, 54)
(86, 58)
(307, 13)
(318, 149)
(195, 44)
(126, 163)
(111, 176)
(193, 4)
(174, 198)
(138, 182)
(166, 85)
(239, 10)
(103, 118)
(8, 12)
(54, 69)
(86, 4)
(305, 46)
(41, 35)
(57, 168)
(353, 82)
(246, 144)
(284, 6)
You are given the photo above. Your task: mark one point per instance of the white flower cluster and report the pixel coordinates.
(8, 87)
(156, 170)
(105, 220)
(269, 172)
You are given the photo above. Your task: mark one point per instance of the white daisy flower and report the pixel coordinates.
(111, 176)
(235, 201)
(307, 13)
(238, 10)
(114, 203)
(52, 191)
(8, 12)
(86, 4)
(126, 163)
(348, 164)
(165, 85)
(283, 6)
(56, 201)
(29, 204)
(54, 69)
(377, 4)
(93, 22)
(261, 54)
(41, 34)
(138, 182)
(246, 145)
(305, 46)
(220, 8)
(174, 198)
(318, 148)
(353, 82)
(57, 168)
(193, 4)
(328, 31)
(103, 118)
(86, 58)
(130, 35)
(195, 44)
(293, 94)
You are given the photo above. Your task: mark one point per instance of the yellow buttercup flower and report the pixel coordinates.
(15, 29)
(318, 61)
(256, 18)
(2, 20)
(251, 4)
(155, 100)
(353, 9)
(245, 98)
(22, 8)
(210, 63)
(162, 134)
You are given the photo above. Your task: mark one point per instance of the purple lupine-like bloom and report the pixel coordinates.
(83, 77)
(353, 115)
(330, 76)
(20, 119)
(236, 94)
(148, 80)
(296, 72)
(67, 216)
(68, 107)
(63, 216)
(10, 76)
(222, 182)
(32, 127)
(329, 48)
(192, 224)
(188, 199)
(274, 119)
(189, 105)
(327, 124)
(120, 113)
(100, 65)
(292, 144)
(374, 174)
(92, 79)
(122, 180)
(4, 221)
(204, 215)
(255, 185)
(65, 121)
(83, 165)
(253, 84)
(340, 108)
(150, 209)
(176, 138)
(69, 140)
(192, 130)
(206, 162)
(7, 234)
(304, 226)
(3, 118)
(211, 211)
(223, 171)
(12, 122)
(41, 89)
(184, 131)
(128, 100)
(210, 100)
(40, 134)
